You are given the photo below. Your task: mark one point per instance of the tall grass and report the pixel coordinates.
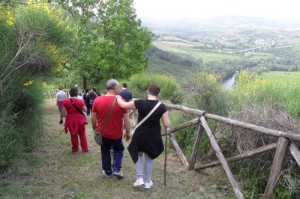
(282, 88)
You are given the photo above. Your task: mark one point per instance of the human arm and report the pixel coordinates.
(84, 108)
(124, 104)
(166, 119)
(94, 120)
(57, 99)
(127, 126)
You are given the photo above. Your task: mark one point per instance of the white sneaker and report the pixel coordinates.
(119, 174)
(148, 185)
(138, 182)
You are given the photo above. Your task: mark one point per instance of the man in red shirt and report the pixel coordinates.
(112, 133)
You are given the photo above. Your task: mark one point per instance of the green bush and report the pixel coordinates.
(169, 88)
(20, 119)
(205, 93)
(9, 145)
(28, 108)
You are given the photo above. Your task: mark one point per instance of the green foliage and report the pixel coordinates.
(282, 193)
(206, 93)
(123, 35)
(20, 119)
(10, 144)
(185, 138)
(253, 177)
(282, 88)
(111, 45)
(28, 108)
(169, 88)
(31, 35)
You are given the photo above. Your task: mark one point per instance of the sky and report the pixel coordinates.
(178, 9)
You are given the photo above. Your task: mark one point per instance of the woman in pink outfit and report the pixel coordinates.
(75, 120)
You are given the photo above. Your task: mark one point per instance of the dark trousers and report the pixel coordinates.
(88, 108)
(118, 149)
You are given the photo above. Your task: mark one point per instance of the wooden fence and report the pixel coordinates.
(285, 141)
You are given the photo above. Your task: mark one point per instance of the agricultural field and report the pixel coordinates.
(229, 45)
(289, 79)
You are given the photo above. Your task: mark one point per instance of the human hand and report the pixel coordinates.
(127, 137)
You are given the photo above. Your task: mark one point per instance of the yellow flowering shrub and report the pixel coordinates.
(268, 89)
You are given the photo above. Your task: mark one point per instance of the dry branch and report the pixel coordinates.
(241, 156)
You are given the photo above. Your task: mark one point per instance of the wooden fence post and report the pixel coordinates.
(295, 152)
(195, 149)
(276, 167)
(179, 151)
(222, 159)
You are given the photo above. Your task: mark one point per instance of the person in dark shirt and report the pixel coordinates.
(146, 144)
(86, 99)
(93, 94)
(125, 94)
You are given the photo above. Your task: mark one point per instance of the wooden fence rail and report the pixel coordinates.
(285, 141)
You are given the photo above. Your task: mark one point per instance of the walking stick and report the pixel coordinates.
(165, 165)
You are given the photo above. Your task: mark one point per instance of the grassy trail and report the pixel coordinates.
(52, 171)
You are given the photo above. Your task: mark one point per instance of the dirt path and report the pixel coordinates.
(52, 171)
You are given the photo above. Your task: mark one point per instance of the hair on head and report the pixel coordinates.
(73, 91)
(111, 84)
(153, 89)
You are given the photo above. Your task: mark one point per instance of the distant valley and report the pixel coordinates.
(223, 45)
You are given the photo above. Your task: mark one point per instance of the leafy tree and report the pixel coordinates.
(110, 41)
(115, 44)
(124, 37)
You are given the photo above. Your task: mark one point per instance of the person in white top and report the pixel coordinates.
(61, 96)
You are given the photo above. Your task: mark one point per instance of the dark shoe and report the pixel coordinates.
(105, 175)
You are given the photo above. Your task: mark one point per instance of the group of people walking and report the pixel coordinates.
(109, 115)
